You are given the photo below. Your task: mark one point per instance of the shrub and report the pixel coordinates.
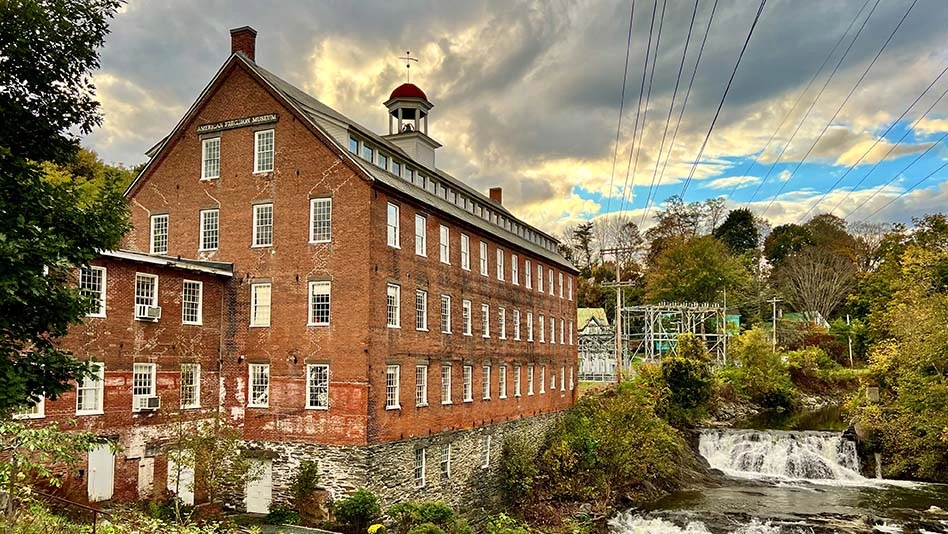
(518, 469)
(305, 481)
(504, 524)
(357, 511)
(280, 515)
(759, 375)
(426, 518)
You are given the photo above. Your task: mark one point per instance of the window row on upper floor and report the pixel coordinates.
(93, 283)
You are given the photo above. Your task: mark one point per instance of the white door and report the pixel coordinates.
(181, 482)
(259, 492)
(101, 473)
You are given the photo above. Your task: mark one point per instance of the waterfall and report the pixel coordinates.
(810, 455)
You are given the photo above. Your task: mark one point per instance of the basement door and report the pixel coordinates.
(259, 492)
(181, 482)
(101, 477)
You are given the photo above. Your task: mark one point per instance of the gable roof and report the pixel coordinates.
(584, 315)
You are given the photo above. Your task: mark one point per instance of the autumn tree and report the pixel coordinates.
(582, 239)
(784, 240)
(816, 279)
(739, 231)
(693, 270)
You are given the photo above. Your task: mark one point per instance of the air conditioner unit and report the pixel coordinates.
(149, 403)
(147, 313)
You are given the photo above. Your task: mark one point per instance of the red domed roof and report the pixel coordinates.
(408, 90)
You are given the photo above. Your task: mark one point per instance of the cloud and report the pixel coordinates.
(932, 126)
(737, 182)
(784, 175)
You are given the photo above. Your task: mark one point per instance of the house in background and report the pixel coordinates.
(591, 320)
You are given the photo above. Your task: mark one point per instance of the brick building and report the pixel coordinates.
(381, 316)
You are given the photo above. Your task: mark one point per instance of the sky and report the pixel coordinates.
(828, 110)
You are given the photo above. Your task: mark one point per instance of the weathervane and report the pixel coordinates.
(408, 59)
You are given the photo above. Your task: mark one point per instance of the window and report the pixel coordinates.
(468, 385)
(367, 153)
(483, 258)
(317, 386)
(421, 310)
(466, 317)
(502, 382)
(543, 379)
(420, 467)
(485, 320)
(562, 331)
(259, 385)
(571, 332)
(393, 306)
(485, 382)
(485, 451)
(549, 285)
(530, 379)
(527, 275)
(421, 385)
(36, 410)
(569, 287)
(445, 384)
(553, 379)
(396, 168)
(92, 285)
(320, 220)
(353, 145)
(190, 393)
(383, 161)
(500, 264)
(563, 378)
(516, 325)
(143, 384)
(444, 245)
(191, 299)
(465, 252)
(445, 314)
(211, 158)
(571, 383)
(560, 282)
(517, 380)
(393, 226)
(146, 294)
(410, 174)
(392, 388)
(210, 229)
(263, 151)
(502, 323)
(552, 330)
(446, 460)
(515, 269)
(542, 328)
(319, 299)
(260, 305)
(421, 239)
(263, 225)
(90, 392)
(540, 278)
(159, 234)
(530, 327)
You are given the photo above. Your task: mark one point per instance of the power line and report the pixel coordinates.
(812, 105)
(625, 75)
(840, 108)
(903, 193)
(671, 107)
(874, 144)
(694, 166)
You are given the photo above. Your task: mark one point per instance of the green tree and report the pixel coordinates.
(693, 270)
(784, 240)
(757, 373)
(582, 241)
(739, 231)
(49, 50)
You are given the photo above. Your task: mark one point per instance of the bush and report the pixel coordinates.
(426, 518)
(518, 469)
(504, 524)
(305, 481)
(357, 511)
(758, 374)
(280, 515)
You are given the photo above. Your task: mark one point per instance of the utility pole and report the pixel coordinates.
(849, 334)
(618, 284)
(774, 301)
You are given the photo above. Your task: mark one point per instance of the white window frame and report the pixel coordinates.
(153, 243)
(444, 244)
(392, 225)
(465, 252)
(254, 304)
(204, 237)
(467, 380)
(445, 314)
(153, 298)
(553, 379)
(571, 332)
(96, 385)
(466, 321)
(446, 460)
(318, 287)
(502, 322)
(100, 293)
(257, 141)
(485, 382)
(393, 387)
(195, 368)
(205, 144)
(516, 321)
(138, 369)
(393, 306)
(314, 390)
(446, 383)
(531, 371)
(320, 231)
(530, 327)
(32, 411)
(199, 312)
(421, 460)
(421, 386)
(517, 381)
(539, 278)
(485, 320)
(562, 378)
(562, 331)
(485, 451)
(421, 235)
(569, 286)
(421, 310)
(559, 279)
(542, 324)
(552, 330)
(500, 264)
(253, 385)
(483, 259)
(542, 379)
(550, 286)
(502, 381)
(572, 383)
(527, 274)
(256, 232)
(515, 269)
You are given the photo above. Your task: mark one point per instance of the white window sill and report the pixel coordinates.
(317, 324)
(146, 320)
(89, 412)
(200, 323)
(517, 396)
(468, 334)
(319, 242)
(19, 417)
(209, 178)
(394, 246)
(268, 171)
(448, 403)
(421, 329)
(516, 284)
(503, 338)
(393, 407)
(486, 398)
(468, 269)
(259, 326)
(207, 250)
(420, 255)
(258, 405)
(445, 262)
(424, 405)
(394, 326)
(191, 407)
(503, 397)
(446, 333)
(485, 337)
(262, 246)
(318, 408)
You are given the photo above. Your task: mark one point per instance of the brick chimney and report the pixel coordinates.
(244, 39)
(497, 195)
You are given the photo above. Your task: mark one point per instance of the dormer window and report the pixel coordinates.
(367, 153)
(353, 145)
(383, 161)
(396, 168)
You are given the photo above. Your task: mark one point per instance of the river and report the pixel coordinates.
(790, 481)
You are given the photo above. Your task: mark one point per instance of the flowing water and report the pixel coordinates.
(790, 481)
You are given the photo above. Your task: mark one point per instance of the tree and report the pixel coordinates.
(739, 231)
(693, 270)
(816, 280)
(784, 240)
(582, 241)
(47, 229)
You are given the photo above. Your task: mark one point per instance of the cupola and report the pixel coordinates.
(408, 109)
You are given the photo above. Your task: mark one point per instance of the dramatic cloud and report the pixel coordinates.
(735, 182)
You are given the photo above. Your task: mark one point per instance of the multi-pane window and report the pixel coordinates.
(420, 460)
(396, 168)
(259, 385)
(500, 264)
(143, 384)
(530, 327)
(191, 298)
(263, 151)
(368, 153)
(465, 252)
(92, 286)
(446, 460)
(211, 158)
(263, 225)
(466, 317)
(515, 269)
(445, 384)
(34, 410)
(560, 282)
(320, 220)
(552, 329)
(421, 235)
(569, 287)
(393, 306)
(485, 320)
(562, 331)
(516, 325)
(190, 391)
(444, 244)
(317, 386)
(542, 379)
(553, 379)
(485, 451)
(353, 145)
(572, 384)
(502, 323)
(421, 310)
(571, 332)
(392, 387)
(563, 378)
(210, 229)
(468, 384)
(383, 161)
(517, 380)
(320, 294)
(445, 314)
(527, 274)
(485, 382)
(483, 258)
(540, 278)
(549, 286)
(421, 385)
(159, 234)
(90, 391)
(530, 379)
(260, 305)
(502, 382)
(146, 293)
(392, 226)
(542, 327)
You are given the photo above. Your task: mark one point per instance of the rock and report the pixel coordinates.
(936, 510)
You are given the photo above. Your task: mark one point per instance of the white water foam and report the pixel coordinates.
(629, 523)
